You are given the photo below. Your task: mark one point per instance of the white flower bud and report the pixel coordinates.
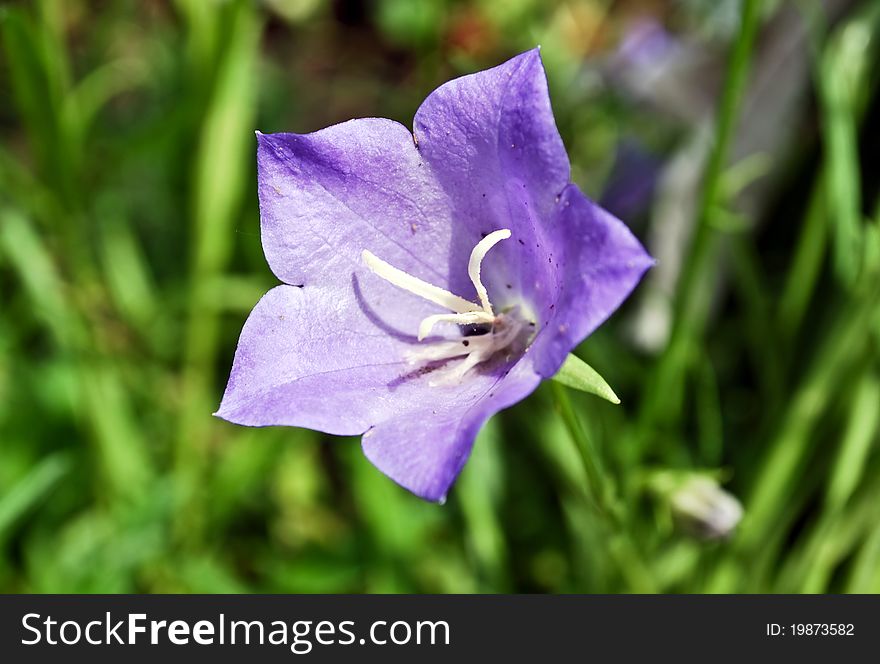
(704, 507)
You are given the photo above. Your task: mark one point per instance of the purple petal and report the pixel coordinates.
(425, 449)
(302, 363)
(299, 363)
(491, 140)
(326, 196)
(602, 263)
(646, 43)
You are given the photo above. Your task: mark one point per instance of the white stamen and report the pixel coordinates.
(472, 350)
(477, 256)
(456, 373)
(480, 348)
(446, 350)
(418, 287)
(469, 318)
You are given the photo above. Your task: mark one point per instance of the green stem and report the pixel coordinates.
(701, 252)
(840, 353)
(602, 494)
(806, 265)
(773, 494)
(597, 487)
(692, 298)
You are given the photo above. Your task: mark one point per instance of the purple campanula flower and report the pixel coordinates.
(430, 279)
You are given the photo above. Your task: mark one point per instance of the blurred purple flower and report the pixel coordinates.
(632, 181)
(674, 76)
(352, 344)
(646, 43)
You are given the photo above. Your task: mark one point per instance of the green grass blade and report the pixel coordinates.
(31, 490)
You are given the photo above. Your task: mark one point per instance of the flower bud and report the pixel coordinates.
(703, 507)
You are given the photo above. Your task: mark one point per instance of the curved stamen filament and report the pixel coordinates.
(477, 256)
(416, 286)
(442, 296)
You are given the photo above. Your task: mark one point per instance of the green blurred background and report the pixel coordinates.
(736, 139)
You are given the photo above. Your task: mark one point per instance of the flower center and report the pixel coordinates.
(486, 334)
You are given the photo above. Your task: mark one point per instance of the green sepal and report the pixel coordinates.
(579, 375)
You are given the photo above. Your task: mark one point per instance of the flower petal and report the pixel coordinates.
(424, 449)
(327, 196)
(301, 363)
(602, 263)
(294, 366)
(492, 143)
(481, 130)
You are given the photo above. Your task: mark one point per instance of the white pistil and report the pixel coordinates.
(474, 349)
(477, 256)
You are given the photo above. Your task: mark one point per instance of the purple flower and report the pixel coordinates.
(430, 279)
